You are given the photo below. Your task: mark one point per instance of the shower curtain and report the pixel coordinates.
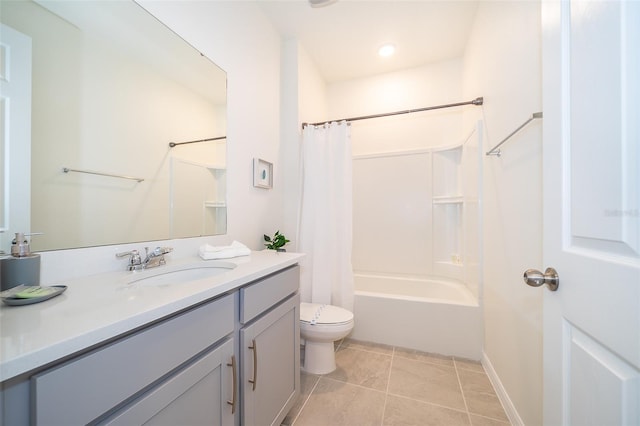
(325, 224)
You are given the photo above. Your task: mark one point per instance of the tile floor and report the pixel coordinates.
(383, 385)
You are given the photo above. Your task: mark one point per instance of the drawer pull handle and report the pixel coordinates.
(255, 364)
(235, 384)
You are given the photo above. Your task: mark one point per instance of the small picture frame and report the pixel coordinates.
(262, 174)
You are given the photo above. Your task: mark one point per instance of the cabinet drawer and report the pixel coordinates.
(79, 391)
(262, 295)
(197, 395)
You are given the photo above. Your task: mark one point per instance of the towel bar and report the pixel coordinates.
(67, 170)
(496, 149)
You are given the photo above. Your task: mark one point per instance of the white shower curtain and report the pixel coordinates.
(325, 228)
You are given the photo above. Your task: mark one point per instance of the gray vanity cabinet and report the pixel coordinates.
(270, 349)
(232, 360)
(160, 364)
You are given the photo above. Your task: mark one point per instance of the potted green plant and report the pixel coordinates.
(276, 242)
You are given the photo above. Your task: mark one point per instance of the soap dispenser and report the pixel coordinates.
(22, 267)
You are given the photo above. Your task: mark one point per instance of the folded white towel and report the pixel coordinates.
(209, 252)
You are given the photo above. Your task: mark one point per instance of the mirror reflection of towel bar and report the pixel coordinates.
(172, 144)
(67, 170)
(496, 151)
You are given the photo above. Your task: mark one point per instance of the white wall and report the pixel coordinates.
(503, 64)
(239, 39)
(419, 87)
(313, 90)
(303, 100)
(290, 153)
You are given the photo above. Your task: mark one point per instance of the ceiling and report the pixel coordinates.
(343, 38)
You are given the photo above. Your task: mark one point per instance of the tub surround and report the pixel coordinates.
(98, 308)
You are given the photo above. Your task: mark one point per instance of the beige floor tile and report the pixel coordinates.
(468, 364)
(367, 346)
(485, 421)
(405, 412)
(419, 389)
(484, 404)
(307, 383)
(363, 368)
(477, 382)
(335, 403)
(437, 384)
(424, 356)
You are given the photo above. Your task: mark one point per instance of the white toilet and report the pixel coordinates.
(320, 326)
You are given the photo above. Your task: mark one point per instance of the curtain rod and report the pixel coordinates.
(476, 101)
(172, 144)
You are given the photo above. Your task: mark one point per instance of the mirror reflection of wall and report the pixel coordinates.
(111, 87)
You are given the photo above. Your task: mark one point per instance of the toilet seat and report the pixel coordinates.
(325, 315)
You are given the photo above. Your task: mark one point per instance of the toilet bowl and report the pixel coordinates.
(320, 326)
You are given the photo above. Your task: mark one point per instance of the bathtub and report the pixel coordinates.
(429, 315)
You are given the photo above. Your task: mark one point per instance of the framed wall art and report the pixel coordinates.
(262, 174)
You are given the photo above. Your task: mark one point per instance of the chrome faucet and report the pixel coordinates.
(156, 257)
(151, 260)
(135, 262)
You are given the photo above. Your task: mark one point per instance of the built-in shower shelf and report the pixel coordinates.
(450, 264)
(456, 199)
(449, 269)
(215, 204)
(205, 165)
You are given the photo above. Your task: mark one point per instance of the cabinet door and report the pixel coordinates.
(270, 374)
(200, 394)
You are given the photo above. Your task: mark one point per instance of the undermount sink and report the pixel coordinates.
(184, 274)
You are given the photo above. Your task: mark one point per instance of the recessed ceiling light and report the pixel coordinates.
(386, 50)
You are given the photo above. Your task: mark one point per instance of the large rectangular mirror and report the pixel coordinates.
(110, 87)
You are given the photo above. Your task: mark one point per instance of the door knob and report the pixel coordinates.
(535, 278)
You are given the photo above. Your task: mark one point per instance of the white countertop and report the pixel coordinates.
(99, 307)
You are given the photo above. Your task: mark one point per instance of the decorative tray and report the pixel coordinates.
(29, 294)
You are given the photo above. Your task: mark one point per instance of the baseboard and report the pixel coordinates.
(508, 406)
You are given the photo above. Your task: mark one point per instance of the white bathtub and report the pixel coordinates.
(428, 315)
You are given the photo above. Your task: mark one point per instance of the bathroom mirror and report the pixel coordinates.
(111, 87)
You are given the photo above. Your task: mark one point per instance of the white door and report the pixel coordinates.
(591, 159)
(15, 134)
